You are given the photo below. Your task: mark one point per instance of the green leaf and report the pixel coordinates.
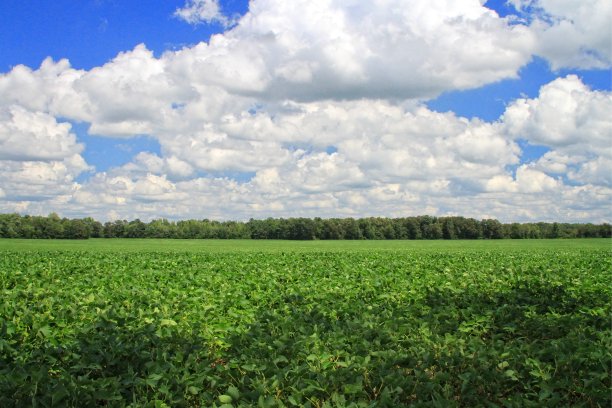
(59, 394)
(225, 399)
(167, 322)
(353, 388)
(280, 359)
(511, 374)
(155, 377)
(45, 331)
(233, 392)
(157, 404)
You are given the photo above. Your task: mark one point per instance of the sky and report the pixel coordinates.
(230, 109)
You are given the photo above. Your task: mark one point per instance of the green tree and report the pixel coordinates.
(492, 229)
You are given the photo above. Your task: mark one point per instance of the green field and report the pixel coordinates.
(320, 324)
(237, 245)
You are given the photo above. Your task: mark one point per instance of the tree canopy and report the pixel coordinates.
(419, 227)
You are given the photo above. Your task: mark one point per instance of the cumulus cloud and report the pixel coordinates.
(597, 171)
(316, 109)
(574, 122)
(39, 157)
(306, 50)
(150, 163)
(32, 136)
(387, 159)
(566, 114)
(527, 180)
(284, 51)
(49, 89)
(40, 180)
(571, 33)
(215, 151)
(202, 11)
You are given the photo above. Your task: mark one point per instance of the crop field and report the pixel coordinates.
(305, 324)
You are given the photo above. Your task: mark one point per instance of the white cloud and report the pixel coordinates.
(597, 171)
(32, 136)
(278, 51)
(39, 157)
(50, 89)
(574, 122)
(572, 33)
(130, 95)
(215, 151)
(149, 163)
(554, 162)
(566, 114)
(529, 180)
(308, 50)
(39, 180)
(202, 11)
(317, 107)
(313, 173)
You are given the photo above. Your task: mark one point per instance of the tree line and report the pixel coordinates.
(372, 228)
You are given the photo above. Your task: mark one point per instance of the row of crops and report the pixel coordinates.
(314, 329)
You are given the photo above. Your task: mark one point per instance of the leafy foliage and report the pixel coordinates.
(469, 327)
(373, 228)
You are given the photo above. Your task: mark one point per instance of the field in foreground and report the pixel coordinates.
(252, 323)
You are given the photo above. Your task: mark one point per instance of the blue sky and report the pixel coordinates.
(342, 90)
(91, 32)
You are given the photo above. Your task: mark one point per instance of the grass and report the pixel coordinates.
(215, 245)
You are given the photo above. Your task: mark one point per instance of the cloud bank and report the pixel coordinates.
(316, 108)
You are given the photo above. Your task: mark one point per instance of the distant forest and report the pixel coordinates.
(420, 227)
